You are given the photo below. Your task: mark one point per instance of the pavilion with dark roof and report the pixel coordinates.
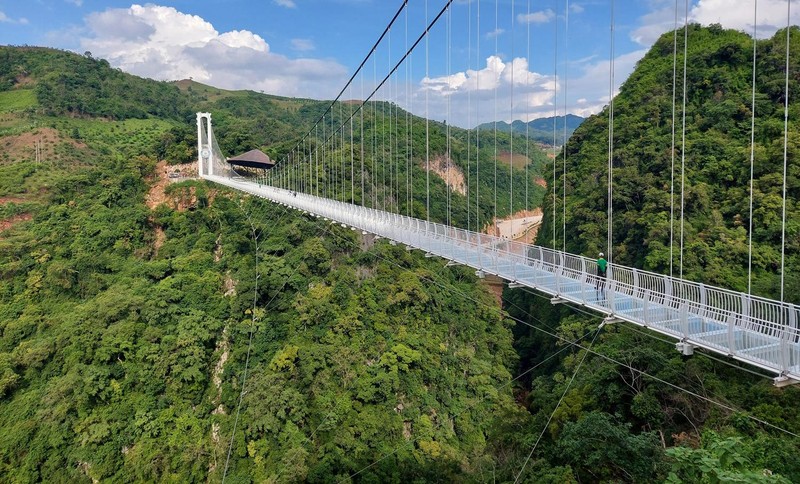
(252, 159)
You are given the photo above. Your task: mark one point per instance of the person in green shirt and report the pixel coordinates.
(602, 265)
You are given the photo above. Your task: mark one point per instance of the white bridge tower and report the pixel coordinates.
(205, 152)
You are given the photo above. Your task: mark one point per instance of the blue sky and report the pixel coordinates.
(503, 67)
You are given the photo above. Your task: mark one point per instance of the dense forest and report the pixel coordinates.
(133, 340)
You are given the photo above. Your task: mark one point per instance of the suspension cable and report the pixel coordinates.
(564, 394)
(683, 128)
(363, 151)
(555, 118)
(478, 123)
(411, 131)
(449, 157)
(752, 152)
(527, 105)
(427, 130)
(403, 6)
(497, 56)
(785, 152)
(469, 114)
(391, 130)
(511, 163)
(352, 162)
(672, 162)
(610, 247)
(373, 180)
(564, 147)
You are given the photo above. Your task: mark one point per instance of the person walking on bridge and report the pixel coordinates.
(602, 265)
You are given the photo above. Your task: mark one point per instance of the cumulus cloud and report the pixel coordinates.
(738, 14)
(471, 94)
(540, 17)
(732, 14)
(285, 3)
(163, 43)
(511, 91)
(77, 3)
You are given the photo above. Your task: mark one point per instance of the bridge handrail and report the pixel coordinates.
(715, 303)
(769, 317)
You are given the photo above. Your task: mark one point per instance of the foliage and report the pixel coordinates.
(718, 460)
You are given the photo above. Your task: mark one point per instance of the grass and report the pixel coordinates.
(129, 138)
(518, 160)
(17, 100)
(210, 93)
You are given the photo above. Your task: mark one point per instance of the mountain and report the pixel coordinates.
(127, 302)
(541, 130)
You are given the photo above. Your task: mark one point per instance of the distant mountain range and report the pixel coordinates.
(541, 129)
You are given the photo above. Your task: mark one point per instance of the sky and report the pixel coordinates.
(484, 60)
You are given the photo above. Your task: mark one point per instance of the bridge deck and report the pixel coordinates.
(758, 331)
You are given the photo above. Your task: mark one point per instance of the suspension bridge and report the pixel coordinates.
(326, 176)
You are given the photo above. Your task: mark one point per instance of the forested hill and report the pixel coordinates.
(542, 130)
(717, 161)
(126, 312)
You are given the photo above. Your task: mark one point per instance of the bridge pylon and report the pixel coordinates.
(205, 153)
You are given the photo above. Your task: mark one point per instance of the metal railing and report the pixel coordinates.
(755, 330)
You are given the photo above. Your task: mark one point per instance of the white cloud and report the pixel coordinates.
(731, 14)
(286, 3)
(163, 43)
(77, 3)
(653, 24)
(466, 91)
(738, 14)
(303, 45)
(576, 8)
(476, 96)
(540, 17)
(6, 19)
(495, 33)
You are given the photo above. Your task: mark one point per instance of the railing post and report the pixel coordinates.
(583, 280)
(558, 272)
(790, 323)
(684, 315)
(745, 309)
(703, 307)
(667, 291)
(646, 307)
(612, 289)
